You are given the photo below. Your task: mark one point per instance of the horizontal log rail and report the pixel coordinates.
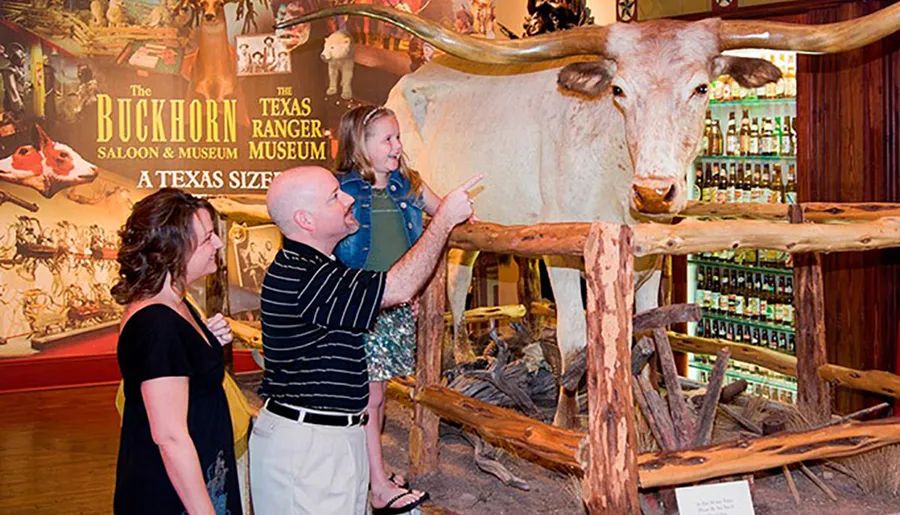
(247, 333)
(693, 236)
(252, 209)
(484, 314)
(817, 212)
(522, 240)
(561, 446)
(751, 455)
(771, 212)
(773, 360)
(551, 443)
(543, 309)
(875, 381)
(686, 237)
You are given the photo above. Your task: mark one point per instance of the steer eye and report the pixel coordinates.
(617, 91)
(702, 89)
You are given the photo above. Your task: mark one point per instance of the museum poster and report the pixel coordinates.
(105, 101)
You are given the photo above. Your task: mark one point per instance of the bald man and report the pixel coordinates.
(308, 449)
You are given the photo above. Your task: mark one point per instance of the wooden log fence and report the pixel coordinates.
(875, 381)
(423, 436)
(565, 447)
(813, 394)
(612, 472)
(686, 237)
(770, 359)
(817, 212)
(610, 480)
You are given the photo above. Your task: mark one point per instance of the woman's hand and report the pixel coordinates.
(220, 329)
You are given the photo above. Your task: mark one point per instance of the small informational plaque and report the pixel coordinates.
(718, 499)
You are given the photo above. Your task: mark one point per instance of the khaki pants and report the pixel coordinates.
(300, 469)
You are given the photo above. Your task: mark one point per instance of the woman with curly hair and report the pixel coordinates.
(176, 452)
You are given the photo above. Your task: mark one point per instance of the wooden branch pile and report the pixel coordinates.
(656, 469)
(644, 321)
(498, 381)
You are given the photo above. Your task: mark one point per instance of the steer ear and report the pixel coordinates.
(747, 71)
(588, 78)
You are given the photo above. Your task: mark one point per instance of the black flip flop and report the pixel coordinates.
(405, 483)
(389, 509)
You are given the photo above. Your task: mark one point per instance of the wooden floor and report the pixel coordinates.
(58, 451)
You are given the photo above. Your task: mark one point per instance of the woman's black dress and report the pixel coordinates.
(157, 342)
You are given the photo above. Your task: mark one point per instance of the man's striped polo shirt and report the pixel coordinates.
(315, 312)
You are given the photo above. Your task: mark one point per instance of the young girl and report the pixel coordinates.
(390, 199)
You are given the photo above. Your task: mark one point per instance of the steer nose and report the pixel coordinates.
(657, 199)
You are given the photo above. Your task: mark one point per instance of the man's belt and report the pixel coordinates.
(320, 419)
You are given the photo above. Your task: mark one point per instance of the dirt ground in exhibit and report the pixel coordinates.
(460, 487)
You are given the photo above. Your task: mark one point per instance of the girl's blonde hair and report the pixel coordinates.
(355, 128)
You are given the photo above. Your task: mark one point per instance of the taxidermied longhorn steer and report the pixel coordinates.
(581, 139)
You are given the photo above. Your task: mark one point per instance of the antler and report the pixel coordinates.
(581, 41)
(826, 39)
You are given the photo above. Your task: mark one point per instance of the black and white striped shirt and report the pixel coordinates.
(315, 312)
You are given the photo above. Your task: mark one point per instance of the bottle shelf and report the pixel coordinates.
(733, 266)
(750, 378)
(767, 159)
(752, 323)
(755, 102)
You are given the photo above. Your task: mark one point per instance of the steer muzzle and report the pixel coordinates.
(657, 197)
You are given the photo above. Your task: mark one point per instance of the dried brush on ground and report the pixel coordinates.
(876, 472)
(573, 488)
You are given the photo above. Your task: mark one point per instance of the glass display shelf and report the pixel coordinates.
(733, 266)
(752, 323)
(749, 102)
(767, 159)
(750, 378)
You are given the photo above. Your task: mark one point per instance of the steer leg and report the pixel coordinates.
(459, 277)
(647, 275)
(571, 328)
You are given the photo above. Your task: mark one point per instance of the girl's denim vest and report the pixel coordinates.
(353, 250)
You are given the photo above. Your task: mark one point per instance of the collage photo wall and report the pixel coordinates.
(105, 101)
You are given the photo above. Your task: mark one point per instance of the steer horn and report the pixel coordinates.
(590, 40)
(817, 39)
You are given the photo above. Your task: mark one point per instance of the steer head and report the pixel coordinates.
(47, 168)
(657, 73)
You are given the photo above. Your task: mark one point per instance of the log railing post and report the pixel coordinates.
(813, 395)
(610, 468)
(423, 437)
(529, 290)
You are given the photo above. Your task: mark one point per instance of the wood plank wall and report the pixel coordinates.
(849, 110)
